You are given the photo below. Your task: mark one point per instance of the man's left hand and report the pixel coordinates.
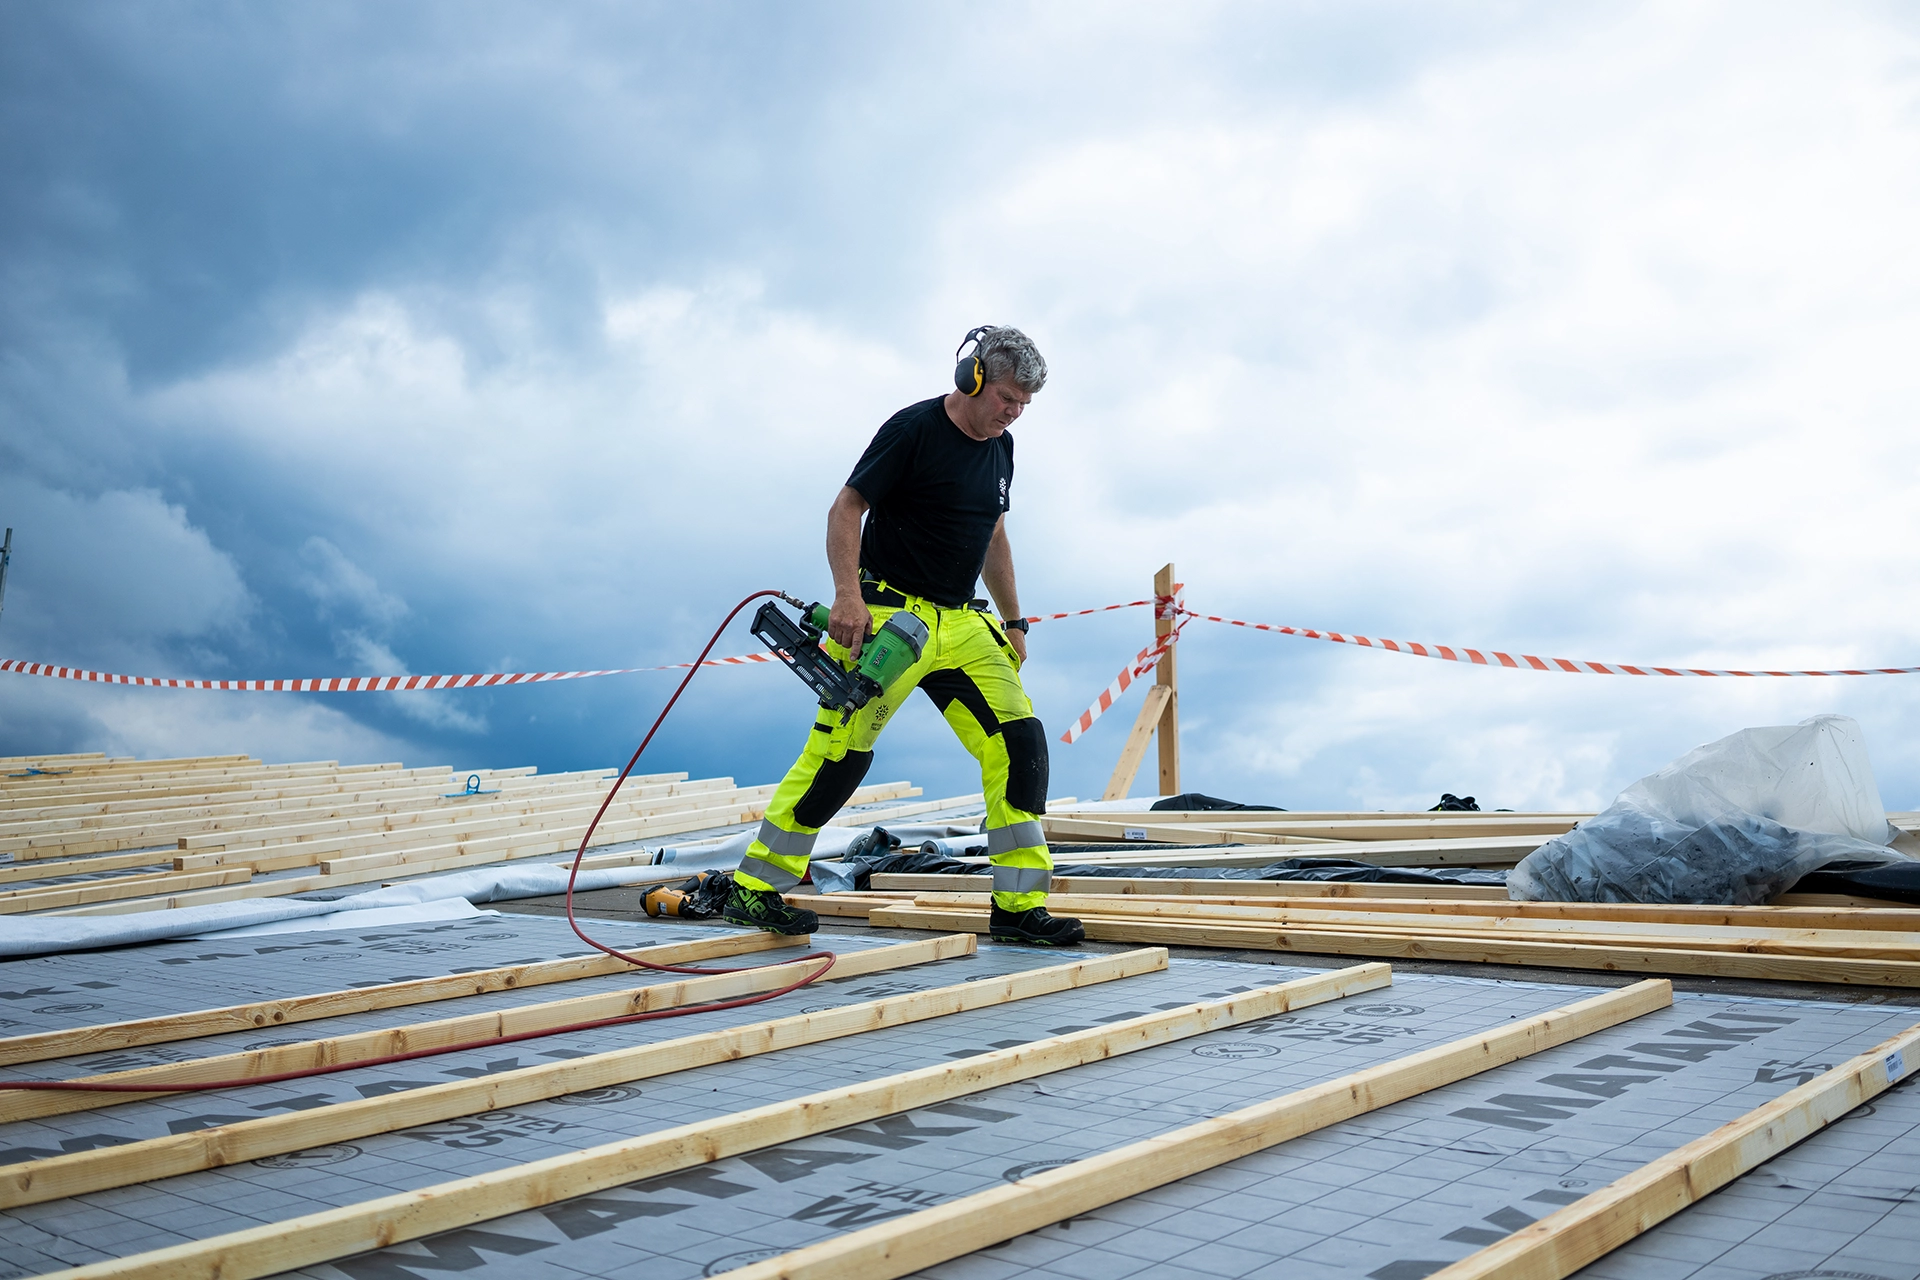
(1018, 639)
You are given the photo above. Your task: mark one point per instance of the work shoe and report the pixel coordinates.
(765, 909)
(1033, 927)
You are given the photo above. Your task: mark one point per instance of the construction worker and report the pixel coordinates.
(933, 488)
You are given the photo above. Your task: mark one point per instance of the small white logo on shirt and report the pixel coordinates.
(1003, 492)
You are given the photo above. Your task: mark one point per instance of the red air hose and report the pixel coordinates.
(77, 1086)
(615, 790)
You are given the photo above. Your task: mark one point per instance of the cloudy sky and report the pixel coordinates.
(345, 338)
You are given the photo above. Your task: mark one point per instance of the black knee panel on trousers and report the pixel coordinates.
(949, 687)
(1026, 764)
(832, 786)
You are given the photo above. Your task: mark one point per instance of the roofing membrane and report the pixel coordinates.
(1391, 1195)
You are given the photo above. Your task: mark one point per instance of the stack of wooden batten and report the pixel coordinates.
(1802, 937)
(89, 835)
(1246, 837)
(1438, 839)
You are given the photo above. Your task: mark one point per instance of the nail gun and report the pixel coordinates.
(884, 658)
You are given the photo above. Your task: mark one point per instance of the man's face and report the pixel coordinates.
(999, 403)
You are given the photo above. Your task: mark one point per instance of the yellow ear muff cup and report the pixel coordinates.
(970, 376)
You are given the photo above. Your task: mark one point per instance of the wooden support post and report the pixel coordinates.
(37, 1181)
(1166, 677)
(1135, 749)
(960, 1226)
(1565, 1241)
(336, 1233)
(1160, 712)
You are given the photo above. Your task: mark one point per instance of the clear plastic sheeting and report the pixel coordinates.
(1733, 823)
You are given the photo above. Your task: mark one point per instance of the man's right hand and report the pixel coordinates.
(850, 622)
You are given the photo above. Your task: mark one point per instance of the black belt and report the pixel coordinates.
(875, 593)
(886, 597)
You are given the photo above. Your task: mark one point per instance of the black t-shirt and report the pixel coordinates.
(934, 494)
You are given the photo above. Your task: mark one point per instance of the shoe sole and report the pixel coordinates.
(772, 928)
(1037, 942)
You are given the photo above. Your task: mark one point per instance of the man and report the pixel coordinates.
(933, 487)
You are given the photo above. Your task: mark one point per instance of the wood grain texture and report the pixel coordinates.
(83, 866)
(1820, 911)
(1166, 675)
(51, 897)
(37, 1181)
(931, 1236)
(1552, 955)
(1449, 894)
(547, 1015)
(351, 1229)
(282, 1011)
(1134, 749)
(1214, 817)
(1496, 850)
(1753, 937)
(1565, 1241)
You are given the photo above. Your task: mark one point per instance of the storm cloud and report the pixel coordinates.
(360, 339)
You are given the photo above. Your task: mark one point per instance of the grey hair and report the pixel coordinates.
(1006, 353)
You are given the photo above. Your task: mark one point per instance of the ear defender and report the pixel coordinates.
(970, 376)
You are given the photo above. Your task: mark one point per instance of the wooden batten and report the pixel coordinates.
(444, 1033)
(55, 1177)
(51, 896)
(1565, 1241)
(1544, 954)
(82, 866)
(170, 1028)
(336, 1233)
(960, 1226)
(1359, 890)
(1258, 847)
(1760, 934)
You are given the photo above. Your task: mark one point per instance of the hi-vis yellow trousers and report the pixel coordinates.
(972, 675)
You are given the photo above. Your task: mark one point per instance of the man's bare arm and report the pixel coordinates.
(851, 620)
(998, 574)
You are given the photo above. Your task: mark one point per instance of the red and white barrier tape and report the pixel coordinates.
(1526, 661)
(395, 684)
(1173, 606)
(1446, 653)
(1081, 613)
(354, 684)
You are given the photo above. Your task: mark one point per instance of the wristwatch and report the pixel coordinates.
(1013, 624)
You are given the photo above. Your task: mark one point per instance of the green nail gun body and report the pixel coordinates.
(884, 658)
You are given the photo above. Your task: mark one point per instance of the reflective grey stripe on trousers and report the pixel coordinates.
(780, 878)
(1021, 835)
(1021, 879)
(788, 844)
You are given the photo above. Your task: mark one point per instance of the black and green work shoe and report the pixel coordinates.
(765, 909)
(1033, 927)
